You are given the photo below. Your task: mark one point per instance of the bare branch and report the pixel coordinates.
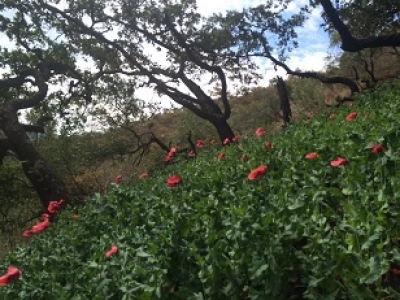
(352, 44)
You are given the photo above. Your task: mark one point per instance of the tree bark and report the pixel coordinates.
(224, 130)
(349, 42)
(315, 75)
(284, 99)
(46, 183)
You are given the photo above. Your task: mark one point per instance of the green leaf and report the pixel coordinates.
(259, 271)
(370, 241)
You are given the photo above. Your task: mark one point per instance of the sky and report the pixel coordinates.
(313, 40)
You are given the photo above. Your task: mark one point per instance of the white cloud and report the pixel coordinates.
(209, 7)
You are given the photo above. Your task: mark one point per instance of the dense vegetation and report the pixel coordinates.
(310, 225)
(243, 192)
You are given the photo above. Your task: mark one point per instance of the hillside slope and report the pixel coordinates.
(311, 214)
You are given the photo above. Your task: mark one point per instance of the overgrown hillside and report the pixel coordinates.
(309, 214)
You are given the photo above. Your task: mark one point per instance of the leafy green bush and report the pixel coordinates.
(305, 228)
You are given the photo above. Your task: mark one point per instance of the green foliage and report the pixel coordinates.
(305, 229)
(368, 18)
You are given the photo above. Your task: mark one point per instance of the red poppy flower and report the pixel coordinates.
(174, 180)
(340, 161)
(54, 207)
(212, 141)
(235, 139)
(192, 153)
(226, 141)
(351, 116)
(258, 172)
(74, 216)
(311, 155)
(12, 275)
(200, 144)
(268, 145)
(171, 154)
(173, 150)
(112, 251)
(260, 131)
(377, 149)
(367, 115)
(244, 157)
(310, 114)
(40, 227)
(221, 156)
(332, 116)
(27, 233)
(118, 179)
(144, 175)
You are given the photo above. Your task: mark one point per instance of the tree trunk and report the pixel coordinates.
(46, 183)
(284, 99)
(224, 130)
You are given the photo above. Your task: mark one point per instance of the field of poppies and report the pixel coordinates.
(309, 214)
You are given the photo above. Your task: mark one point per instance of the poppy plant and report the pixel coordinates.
(200, 144)
(174, 180)
(268, 145)
(144, 175)
(173, 150)
(235, 139)
(54, 207)
(221, 156)
(12, 275)
(340, 161)
(40, 227)
(112, 251)
(375, 149)
(226, 141)
(118, 179)
(310, 114)
(332, 116)
(212, 141)
(351, 116)
(171, 154)
(192, 153)
(258, 172)
(260, 131)
(27, 233)
(311, 155)
(244, 157)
